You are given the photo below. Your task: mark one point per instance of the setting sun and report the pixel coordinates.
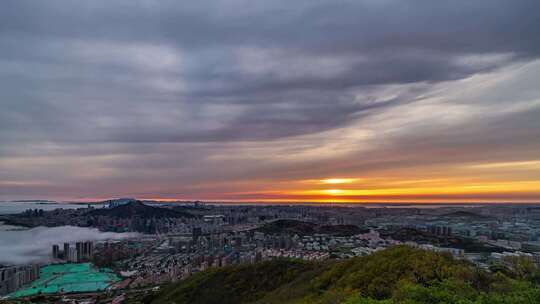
(334, 191)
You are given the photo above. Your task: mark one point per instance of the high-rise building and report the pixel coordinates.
(72, 255)
(84, 249)
(79, 249)
(66, 251)
(55, 251)
(440, 230)
(90, 249)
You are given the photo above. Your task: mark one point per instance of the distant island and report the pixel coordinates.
(33, 201)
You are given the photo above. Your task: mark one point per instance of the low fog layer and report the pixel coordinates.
(34, 245)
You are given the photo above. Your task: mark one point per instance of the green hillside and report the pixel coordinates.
(307, 228)
(396, 275)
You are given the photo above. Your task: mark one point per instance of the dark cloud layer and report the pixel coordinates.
(150, 93)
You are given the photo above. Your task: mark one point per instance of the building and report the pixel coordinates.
(85, 250)
(79, 249)
(72, 255)
(440, 230)
(55, 251)
(66, 251)
(88, 250)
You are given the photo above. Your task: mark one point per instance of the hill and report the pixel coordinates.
(136, 209)
(467, 214)
(423, 237)
(307, 228)
(397, 275)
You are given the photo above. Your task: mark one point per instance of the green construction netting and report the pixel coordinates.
(60, 278)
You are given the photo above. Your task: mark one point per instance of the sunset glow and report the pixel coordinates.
(469, 189)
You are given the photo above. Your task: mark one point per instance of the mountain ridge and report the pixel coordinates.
(138, 209)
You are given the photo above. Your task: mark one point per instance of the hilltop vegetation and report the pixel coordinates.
(397, 275)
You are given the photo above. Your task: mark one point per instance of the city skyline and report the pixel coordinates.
(327, 101)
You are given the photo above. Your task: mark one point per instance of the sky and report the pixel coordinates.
(241, 100)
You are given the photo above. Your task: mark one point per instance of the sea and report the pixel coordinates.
(13, 207)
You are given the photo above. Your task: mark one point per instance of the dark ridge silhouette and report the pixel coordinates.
(139, 210)
(467, 214)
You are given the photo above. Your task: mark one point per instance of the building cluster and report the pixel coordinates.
(14, 277)
(506, 257)
(82, 251)
(177, 257)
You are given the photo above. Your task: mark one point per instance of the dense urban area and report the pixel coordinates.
(180, 240)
